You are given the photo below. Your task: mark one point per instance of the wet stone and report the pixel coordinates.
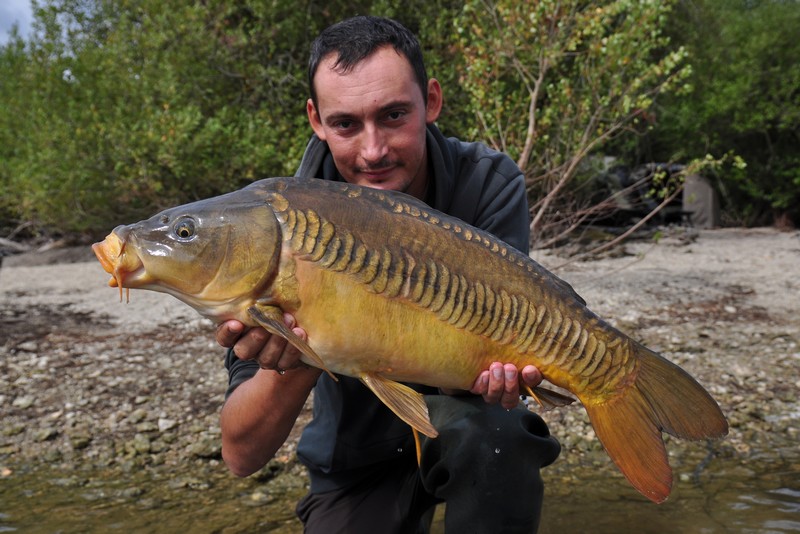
(194, 483)
(205, 447)
(68, 482)
(45, 434)
(8, 448)
(80, 441)
(261, 496)
(131, 493)
(12, 429)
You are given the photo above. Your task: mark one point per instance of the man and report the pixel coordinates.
(372, 109)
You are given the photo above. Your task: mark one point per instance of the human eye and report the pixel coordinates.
(343, 124)
(395, 115)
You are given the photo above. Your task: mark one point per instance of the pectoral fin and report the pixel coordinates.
(271, 318)
(547, 398)
(406, 403)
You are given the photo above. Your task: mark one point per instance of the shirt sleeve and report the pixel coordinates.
(238, 370)
(503, 212)
(489, 193)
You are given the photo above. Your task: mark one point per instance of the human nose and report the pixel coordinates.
(374, 147)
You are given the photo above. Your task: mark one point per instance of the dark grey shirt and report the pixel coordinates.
(351, 429)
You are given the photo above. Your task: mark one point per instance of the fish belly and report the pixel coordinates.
(357, 331)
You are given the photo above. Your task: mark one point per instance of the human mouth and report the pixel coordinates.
(377, 174)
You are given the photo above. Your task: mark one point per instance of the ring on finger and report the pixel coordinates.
(276, 369)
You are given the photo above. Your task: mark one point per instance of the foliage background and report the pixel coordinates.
(112, 110)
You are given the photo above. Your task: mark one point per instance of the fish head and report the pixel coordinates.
(218, 255)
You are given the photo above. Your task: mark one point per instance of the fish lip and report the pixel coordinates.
(125, 268)
(105, 253)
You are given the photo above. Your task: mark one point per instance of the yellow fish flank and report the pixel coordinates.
(390, 290)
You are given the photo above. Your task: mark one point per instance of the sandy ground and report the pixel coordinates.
(86, 379)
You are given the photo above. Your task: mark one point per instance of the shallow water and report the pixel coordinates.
(760, 496)
(756, 499)
(46, 501)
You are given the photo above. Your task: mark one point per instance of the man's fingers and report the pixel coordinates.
(290, 357)
(481, 384)
(228, 333)
(510, 395)
(497, 383)
(531, 376)
(511, 383)
(252, 344)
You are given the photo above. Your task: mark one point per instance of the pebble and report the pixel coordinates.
(23, 402)
(28, 346)
(165, 424)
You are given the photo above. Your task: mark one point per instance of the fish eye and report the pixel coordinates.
(184, 229)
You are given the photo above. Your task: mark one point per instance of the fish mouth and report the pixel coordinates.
(122, 265)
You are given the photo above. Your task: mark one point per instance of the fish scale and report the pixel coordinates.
(443, 300)
(387, 274)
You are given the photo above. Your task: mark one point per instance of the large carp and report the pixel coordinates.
(390, 290)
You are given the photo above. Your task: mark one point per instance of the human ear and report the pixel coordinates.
(435, 101)
(314, 119)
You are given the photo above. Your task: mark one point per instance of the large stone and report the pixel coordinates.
(701, 201)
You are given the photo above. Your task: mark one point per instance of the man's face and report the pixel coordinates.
(373, 119)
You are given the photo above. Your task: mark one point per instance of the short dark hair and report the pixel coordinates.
(356, 38)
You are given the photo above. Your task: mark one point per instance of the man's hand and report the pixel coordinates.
(500, 383)
(268, 350)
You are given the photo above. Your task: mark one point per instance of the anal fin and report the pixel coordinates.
(547, 398)
(407, 404)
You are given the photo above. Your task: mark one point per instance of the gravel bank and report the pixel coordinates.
(87, 381)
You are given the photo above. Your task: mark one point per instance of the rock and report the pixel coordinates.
(205, 447)
(80, 441)
(140, 444)
(189, 482)
(146, 426)
(28, 346)
(13, 429)
(137, 416)
(45, 434)
(166, 424)
(23, 402)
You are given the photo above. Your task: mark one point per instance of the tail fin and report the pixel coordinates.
(662, 397)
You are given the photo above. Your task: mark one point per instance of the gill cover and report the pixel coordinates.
(209, 253)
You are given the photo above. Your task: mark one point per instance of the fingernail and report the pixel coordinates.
(497, 372)
(510, 375)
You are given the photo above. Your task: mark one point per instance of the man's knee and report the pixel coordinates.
(485, 464)
(485, 440)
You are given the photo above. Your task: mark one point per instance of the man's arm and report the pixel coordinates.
(259, 414)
